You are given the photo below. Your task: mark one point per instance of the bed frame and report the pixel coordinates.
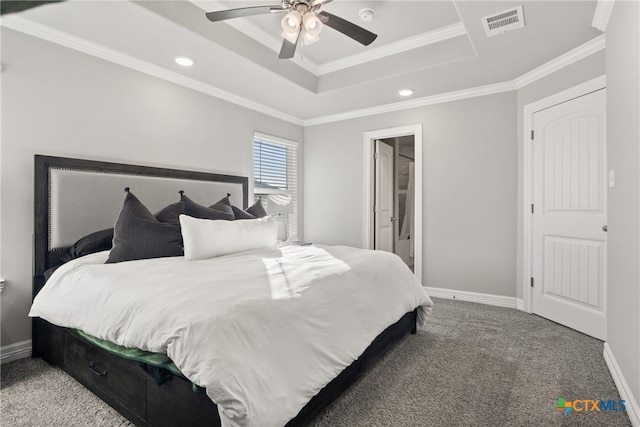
(122, 383)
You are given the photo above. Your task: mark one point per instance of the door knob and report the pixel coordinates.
(394, 219)
(604, 228)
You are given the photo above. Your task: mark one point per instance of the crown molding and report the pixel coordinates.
(602, 14)
(415, 103)
(404, 45)
(574, 55)
(64, 39)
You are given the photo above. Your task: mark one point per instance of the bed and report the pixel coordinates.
(272, 333)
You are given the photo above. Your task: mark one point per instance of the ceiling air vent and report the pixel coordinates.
(504, 21)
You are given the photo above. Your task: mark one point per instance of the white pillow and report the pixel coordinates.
(207, 238)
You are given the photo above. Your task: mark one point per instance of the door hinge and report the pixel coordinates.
(376, 155)
(532, 135)
(532, 282)
(532, 210)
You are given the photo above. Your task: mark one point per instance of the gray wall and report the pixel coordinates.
(60, 102)
(623, 139)
(472, 189)
(469, 189)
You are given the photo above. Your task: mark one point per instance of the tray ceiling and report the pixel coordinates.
(432, 47)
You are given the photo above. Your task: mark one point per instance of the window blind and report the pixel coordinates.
(275, 172)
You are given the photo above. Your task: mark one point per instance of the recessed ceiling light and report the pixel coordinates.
(405, 92)
(185, 61)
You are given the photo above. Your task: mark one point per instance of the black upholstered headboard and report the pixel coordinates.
(75, 197)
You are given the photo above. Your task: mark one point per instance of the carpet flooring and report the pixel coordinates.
(475, 365)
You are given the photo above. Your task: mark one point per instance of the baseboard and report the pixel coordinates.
(520, 304)
(15, 351)
(489, 299)
(633, 408)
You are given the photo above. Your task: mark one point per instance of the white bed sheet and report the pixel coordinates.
(263, 331)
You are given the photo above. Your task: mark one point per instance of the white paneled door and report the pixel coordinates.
(383, 204)
(570, 214)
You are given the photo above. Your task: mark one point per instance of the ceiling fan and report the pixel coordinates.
(303, 22)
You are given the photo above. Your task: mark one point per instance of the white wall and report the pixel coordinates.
(56, 101)
(623, 139)
(469, 189)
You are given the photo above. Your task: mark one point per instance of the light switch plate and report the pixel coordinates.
(612, 181)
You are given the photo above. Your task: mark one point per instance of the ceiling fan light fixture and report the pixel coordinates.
(309, 38)
(291, 22)
(302, 22)
(291, 37)
(312, 24)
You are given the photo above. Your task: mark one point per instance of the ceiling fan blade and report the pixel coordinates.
(347, 28)
(288, 49)
(242, 12)
(7, 7)
(319, 2)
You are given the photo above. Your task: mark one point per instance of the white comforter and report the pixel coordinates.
(263, 331)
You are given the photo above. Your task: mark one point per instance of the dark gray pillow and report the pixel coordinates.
(95, 242)
(217, 211)
(171, 213)
(225, 201)
(252, 212)
(257, 210)
(222, 206)
(240, 214)
(139, 235)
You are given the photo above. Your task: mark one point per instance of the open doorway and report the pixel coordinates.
(393, 193)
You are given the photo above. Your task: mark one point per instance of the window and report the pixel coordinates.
(275, 177)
